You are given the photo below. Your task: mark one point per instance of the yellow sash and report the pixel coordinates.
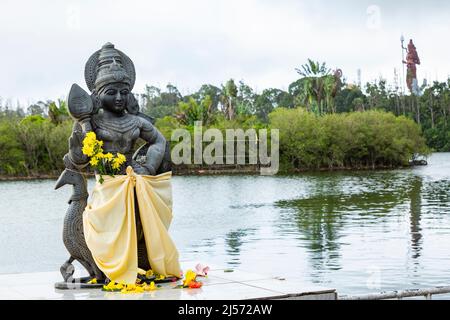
(110, 227)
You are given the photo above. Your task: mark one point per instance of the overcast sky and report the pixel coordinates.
(45, 44)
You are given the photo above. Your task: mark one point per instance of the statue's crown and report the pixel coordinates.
(110, 67)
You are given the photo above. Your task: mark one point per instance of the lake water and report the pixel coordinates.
(358, 232)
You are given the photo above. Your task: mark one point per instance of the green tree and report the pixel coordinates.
(270, 99)
(191, 111)
(158, 104)
(12, 156)
(319, 87)
(31, 136)
(229, 94)
(349, 99)
(213, 92)
(369, 139)
(57, 111)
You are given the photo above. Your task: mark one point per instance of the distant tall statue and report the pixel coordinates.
(412, 59)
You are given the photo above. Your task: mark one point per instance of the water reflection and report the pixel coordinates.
(234, 241)
(415, 212)
(325, 221)
(318, 224)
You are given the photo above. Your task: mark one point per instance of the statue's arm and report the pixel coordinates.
(157, 142)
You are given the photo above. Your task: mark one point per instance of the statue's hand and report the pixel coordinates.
(75, 146)
(142, 169)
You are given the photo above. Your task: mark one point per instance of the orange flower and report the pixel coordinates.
(195, 285)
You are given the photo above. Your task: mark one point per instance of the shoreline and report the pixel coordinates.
(245, 170)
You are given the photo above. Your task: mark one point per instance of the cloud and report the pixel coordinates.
(45, 44)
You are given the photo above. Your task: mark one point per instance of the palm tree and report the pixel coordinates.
(228, 99)
(313, 69)
(319, 86)
(229, 94)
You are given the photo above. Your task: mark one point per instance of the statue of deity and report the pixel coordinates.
(114, 115)
(112, 112)
(412, 59)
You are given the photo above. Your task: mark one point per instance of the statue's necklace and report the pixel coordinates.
(120, 124)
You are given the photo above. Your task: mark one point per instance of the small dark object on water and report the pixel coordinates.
(421, 162)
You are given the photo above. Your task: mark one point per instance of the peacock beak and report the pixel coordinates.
(61, 180)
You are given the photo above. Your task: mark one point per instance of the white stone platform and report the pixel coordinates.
(220, 284)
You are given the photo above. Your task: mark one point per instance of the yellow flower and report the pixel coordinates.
(118, 161)
(89, 141)
(88, 150)
(190, 276)
(90, 138)
(115, 165)
(93, 281)
(139, 289)
(149, 273)
(130, 288)
(112, 286)
(160, 277)
(120, 158)
(109, 156)
(91, 145)
(149, 287)
(94, 161)
(91, 135)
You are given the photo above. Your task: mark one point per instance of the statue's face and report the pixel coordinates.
(114, 97)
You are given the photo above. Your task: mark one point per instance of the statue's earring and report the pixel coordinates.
(132, 105)
(96, 102)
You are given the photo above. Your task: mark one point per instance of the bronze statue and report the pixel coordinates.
(112, 112)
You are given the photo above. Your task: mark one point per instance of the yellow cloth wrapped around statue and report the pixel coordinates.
(110, 227)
